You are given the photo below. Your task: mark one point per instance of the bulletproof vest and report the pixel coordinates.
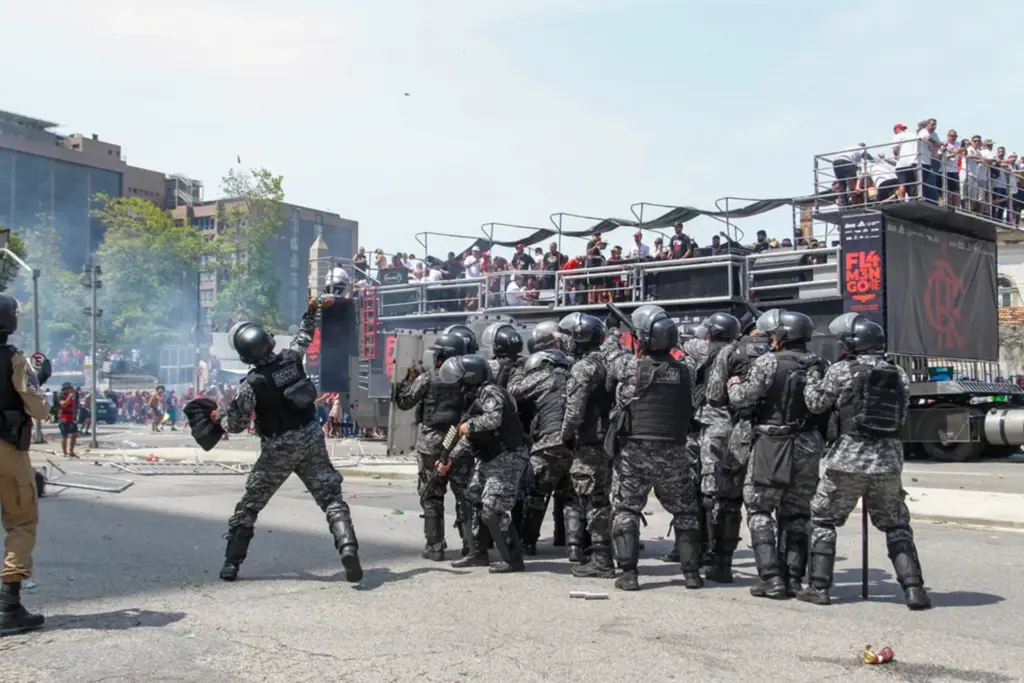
(15, 425)
(783, 406)
(704, 372)
(877, 404)
(507, 437)
(743, 356)
(599, 406)
(441, 406)
(506, 366)
(284, 395)
(550, 408)
(663, 406)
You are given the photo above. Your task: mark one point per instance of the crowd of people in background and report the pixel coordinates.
(969, 173)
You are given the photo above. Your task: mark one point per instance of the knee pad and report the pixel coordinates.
(762, 538)
(901, 547)
(489, 515)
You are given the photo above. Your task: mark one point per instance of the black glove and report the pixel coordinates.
(205, 431)
(43, 367)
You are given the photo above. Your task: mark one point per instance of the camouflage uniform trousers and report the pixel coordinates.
(837, 496)
(428, 452)
(791, 504)
(662, 466)
(547, 474)
(495, 485)
(300, 451)
(591, 475)
(722, 475)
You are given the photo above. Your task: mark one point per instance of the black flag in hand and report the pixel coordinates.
(205, 431)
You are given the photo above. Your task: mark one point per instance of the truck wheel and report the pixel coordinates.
(962, 451)
(999, 452)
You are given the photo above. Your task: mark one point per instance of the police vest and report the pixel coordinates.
(284, 395)
(877, 404)
(599, 406)
(743, 356)
(663, 407)
(507, 437)
(15, 425)
(441, 406)
(505, 368)
(704, 371)
(549, 410)
(783, 405)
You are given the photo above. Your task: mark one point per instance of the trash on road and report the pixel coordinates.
(398, 511)
(374, 476)
(587, 595)
(872, 656)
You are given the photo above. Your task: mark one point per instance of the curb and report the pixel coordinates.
(359, 473)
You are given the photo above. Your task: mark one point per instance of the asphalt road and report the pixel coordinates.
(129, 584)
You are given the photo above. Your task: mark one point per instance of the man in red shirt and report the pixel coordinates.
(66, 415)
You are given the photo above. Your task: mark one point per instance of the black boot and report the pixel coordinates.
(673, 554)
(724, 536)
(574, 533)
(600, 565)
(477, 555)
(908, 573)
(347, 545)
(533, 520)
(688, 547)
(14, 618)
(433, 532)
(626, 543)
(464, 524)
(558, 513)
(704, 520)
(796, 561)
(509, 550)
(236, 552)
(772, 586)
(823, 562)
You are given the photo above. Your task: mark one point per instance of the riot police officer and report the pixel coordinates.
(653, 407)
(541, 392)
(291, 441)
(463, 331)
(506, 344)
(872, 397)
(724, 484)
(493, 434)
(21, 400)
(782, 474)
(588, 402)
(439, 405)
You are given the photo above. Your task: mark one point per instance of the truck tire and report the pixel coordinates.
(999, 452)
(960, 451)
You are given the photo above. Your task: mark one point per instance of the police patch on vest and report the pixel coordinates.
(286, 375)
(670, 374)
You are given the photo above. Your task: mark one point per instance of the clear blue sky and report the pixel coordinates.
(516, 109)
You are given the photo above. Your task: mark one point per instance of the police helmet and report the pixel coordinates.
(465, 333)
(552, 357)
(768, 321)
(858, 333)
(531, 345)
(688, 330)
(644, 317)
(448, 346)
(663, 336)
(543, 336)
(722, 327)
(9, 311)
(251, 342)
(585, 331)
(748, 323)
(504, 340)
(468, 371)
(790, 326)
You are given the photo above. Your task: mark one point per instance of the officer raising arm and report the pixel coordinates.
(21, 399)
(872, 397)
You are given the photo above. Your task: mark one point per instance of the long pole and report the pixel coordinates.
(199, 324)
(95, 386)
(38, 342)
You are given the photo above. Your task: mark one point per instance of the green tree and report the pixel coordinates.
(149, 271)
(253, 216)
(9, 270)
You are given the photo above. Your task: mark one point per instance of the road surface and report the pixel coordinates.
(129, 584)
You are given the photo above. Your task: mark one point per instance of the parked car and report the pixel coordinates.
(106, 411)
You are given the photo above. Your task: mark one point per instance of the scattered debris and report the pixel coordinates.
(587, 595)
(398, 511)
(374, 476)
(78, 480)
(871, 656)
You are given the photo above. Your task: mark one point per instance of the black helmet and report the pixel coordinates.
(448, 346)
(688, 330)
(251, 342)
(585, 331)
(748, 322)
(722, 327)
(543, 336)
(504, 340)
(9, 310)
(857, 333)
(644, 318)
(787, 326)
(663, 337)
(468, 371)
(547, 356)
(467, 334)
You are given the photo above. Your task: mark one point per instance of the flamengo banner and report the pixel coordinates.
(942, 293)
(863, 268)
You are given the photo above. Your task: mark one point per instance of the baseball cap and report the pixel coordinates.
(898, 127)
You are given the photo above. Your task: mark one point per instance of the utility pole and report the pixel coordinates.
(94, 283)
(4, 236)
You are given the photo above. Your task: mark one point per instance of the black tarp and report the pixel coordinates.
(941, 291)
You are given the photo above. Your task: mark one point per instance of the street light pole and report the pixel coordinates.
(94, 284)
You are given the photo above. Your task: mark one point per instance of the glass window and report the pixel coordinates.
(71, 210)
(32, 183)
(6, 185)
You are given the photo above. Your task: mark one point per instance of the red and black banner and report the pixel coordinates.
(942, 293)
(863, 266)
